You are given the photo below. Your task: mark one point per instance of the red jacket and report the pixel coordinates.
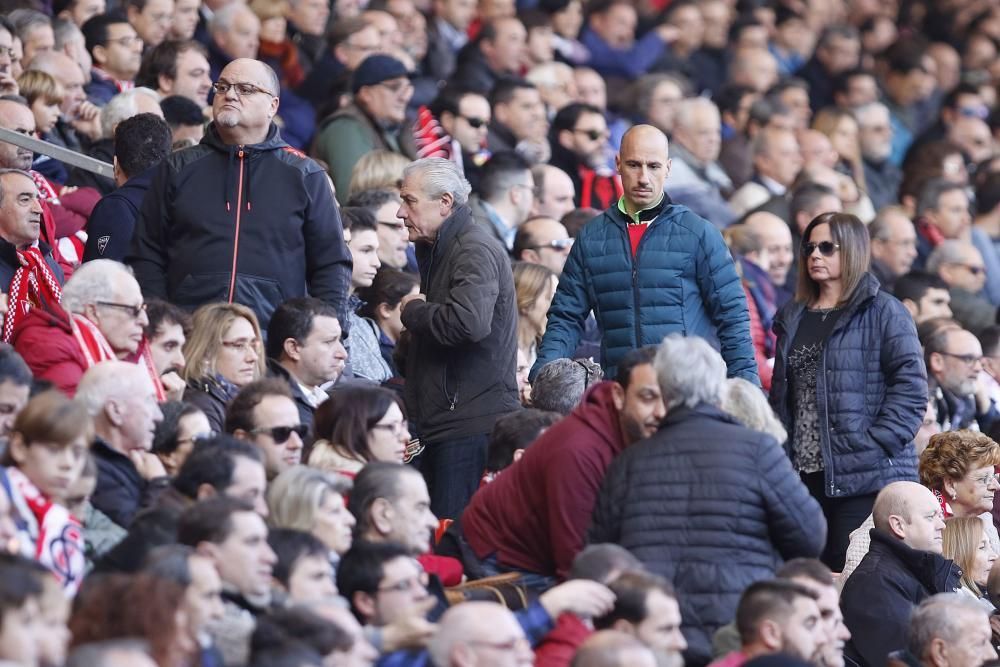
(45, 340)
(535, 515)
(559, 646)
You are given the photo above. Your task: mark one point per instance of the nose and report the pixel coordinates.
(339, 351)
(36, 205)
(268, 555)
(260, 506)
(252, 353)
(143, 319)
(660, 411)
(993, 483)
(178, 360)
(294, 442)
(404, 435)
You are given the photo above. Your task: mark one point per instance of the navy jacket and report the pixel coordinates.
(713, 507)
(682, 280)
(880, 595)
(121, 491)
(252, 224)
(871, 391)
(110, 228)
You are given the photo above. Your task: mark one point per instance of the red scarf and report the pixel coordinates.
(32, 285)
(93, 344)
(120, 85)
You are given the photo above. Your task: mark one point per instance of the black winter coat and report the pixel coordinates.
(879, 596)
(713, 507)
(252, 224)
(460, 345)
(871, 390)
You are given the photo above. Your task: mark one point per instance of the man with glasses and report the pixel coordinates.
(394, 249)
(242, 217)
(506, 196)
(374, 121)
(954, 361)
(465, 116)
(152, 19)
(961, 267)
(580, 148)
(555, 193)
(542, 240)
(116, 50)
(485, 632)
(882, 177)
(264, 413)
(893, 245)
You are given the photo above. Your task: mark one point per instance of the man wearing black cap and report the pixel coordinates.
(373, 121)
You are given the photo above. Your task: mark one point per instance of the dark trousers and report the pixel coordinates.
(453, 469)
(843, 516)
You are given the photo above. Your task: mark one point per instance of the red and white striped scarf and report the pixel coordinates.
(93, 344)
(32, 285)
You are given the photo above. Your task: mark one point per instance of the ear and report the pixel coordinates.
(462, 656)
(565, 138)
(618, 396)
(447, 203)
(937, 653)
(208, 550)
(618, 162)
(621, 625)
(950, 492)
(205, 491)
(240, 434)
(364, 603)
(381, 516)
(770, 635)
(937, 362)
(447, 121)
(383, 311)
(165, 83)
(18, 448)
(99, 54)
(291, 349)
(911, 307)
(897, 526)
(275, 102)
(114, 413)
(531, 255)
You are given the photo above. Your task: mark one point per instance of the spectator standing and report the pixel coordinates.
(755, 503)
(839, 330)
(693, 289)
(461, 352)
(251, 204)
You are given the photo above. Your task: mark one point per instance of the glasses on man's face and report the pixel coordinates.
(7, 51)
(972, 269)
(281, 434)
(826, 248)
(242, 89)
(555, 244)
(593, 135)
(198, 438)
(475, 123)
(967, 359)
(416, 583)
(133, 311)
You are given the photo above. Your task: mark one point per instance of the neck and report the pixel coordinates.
(239, 136)
(111, 436)
(756, 649)
(506, 214)
(293, 371)
(829, 294)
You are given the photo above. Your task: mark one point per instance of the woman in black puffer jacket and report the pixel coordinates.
(849, 379)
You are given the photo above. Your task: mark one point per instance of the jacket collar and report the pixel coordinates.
(272, 141)
(646, 215)
(682, 413)
(935, 572)
(864, 293)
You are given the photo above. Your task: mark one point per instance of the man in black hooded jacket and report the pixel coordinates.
(242, 217)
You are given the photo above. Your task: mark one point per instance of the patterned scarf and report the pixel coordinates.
(57, 534)
(93, 344)
(33, 284)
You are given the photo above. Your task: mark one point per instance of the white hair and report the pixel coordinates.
(548, 75)
(691, 108)
(689, 372)
(951, 251)
(866, 110)
(222, 20)
(108, 380)
(463, 624)
(122, 107)
(440, 177)
(939, 617)
(747, 404)
(94, 281)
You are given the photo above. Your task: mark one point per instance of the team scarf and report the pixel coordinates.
(93, 344)
(56, 534)
(33, 284)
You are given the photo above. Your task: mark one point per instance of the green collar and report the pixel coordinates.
(638, 217)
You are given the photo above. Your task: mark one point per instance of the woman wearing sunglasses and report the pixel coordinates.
(175, 435)
(849, 380)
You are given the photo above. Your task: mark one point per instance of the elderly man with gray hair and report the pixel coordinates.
(705, 502)
(459, 350)
(960, 265)
(948, 629)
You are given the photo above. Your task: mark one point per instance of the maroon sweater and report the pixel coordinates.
(535, 515)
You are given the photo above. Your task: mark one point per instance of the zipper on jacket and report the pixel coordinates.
(635, 276)
(236, 233)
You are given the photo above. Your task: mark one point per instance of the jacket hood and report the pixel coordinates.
(597, 411)
(273, 141)
(231, 193)
(44, 315)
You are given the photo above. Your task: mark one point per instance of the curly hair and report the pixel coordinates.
(952, 454)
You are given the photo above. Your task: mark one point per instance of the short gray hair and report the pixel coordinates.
(107, 380)
(546, 75)
(5, 171)
(692, 107)
(122, 107)
(94, 281)
(65, 31)
(689, 371)
(746, 403)
(440, 177)
(865, 110)
(879, 229)
(939, 617)
(223, 19)
(951, 251)
(560, 384)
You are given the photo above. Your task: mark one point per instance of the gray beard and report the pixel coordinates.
(227, 119)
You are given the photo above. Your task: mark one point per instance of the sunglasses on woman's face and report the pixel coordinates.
(826, 248)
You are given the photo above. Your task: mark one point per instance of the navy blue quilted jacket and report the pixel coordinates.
(681, 280)
(871, 391)
(713, 507)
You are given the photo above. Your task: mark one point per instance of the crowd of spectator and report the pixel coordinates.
(496, 332)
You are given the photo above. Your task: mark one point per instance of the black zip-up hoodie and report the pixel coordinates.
(253, 224)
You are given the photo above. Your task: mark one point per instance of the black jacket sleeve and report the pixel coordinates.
(328, 260)
(110, 229)
(148, 253)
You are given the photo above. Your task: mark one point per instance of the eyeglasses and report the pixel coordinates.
(410, 584)
(593, 135)
(985, 481)
(198, 438)
(280, 434)
(126, 41)
(475, 123)
(967, 359)
(396, 428)
(980, 112)
(242, 89)
(588, 371)
(133, 311)
(826, 248)
(555, 244)
(7, 51)
(971, 268)
(242, 345)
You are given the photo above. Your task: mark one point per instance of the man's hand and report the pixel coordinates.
(414, 631)
(173, 386)
(148, 464)
(8, 85)
(410, 297)
(88, 121)
(587, 599)
(668, 33)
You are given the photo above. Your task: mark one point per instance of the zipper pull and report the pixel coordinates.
(451, 407)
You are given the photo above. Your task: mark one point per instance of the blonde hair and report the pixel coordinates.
(377, 170)
(961, 538)
(208, 325)
(827, 120)
(530, 282)
(35, 84)
(745, 402)
(269, 9)
(294, 496)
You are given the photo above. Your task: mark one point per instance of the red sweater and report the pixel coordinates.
(535, 515)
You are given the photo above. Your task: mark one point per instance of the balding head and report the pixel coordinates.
(910, 513)
(471, 632)
(17, 117)
(543, 241)
(698, 128)
(776, 238)
(122, 400)
(817, 149)
(644, 164)
(67, 72)
(612, 648)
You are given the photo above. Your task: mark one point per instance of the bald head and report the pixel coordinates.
(612, 648)
(644, 164)
(17, 117)
(776, 238)
(640, 136)
(473, 628)
(911, 513)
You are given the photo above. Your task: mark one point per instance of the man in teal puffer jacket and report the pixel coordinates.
(647, 267)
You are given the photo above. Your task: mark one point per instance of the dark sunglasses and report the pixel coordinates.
(556, 244)
(475, 123)
(826, 248)
(282, 433)
(593, 135)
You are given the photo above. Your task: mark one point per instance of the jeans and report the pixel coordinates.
(452, 469)
(537, 583)
(843, 515)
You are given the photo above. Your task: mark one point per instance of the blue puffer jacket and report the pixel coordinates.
(872, 391)
(681, 280)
